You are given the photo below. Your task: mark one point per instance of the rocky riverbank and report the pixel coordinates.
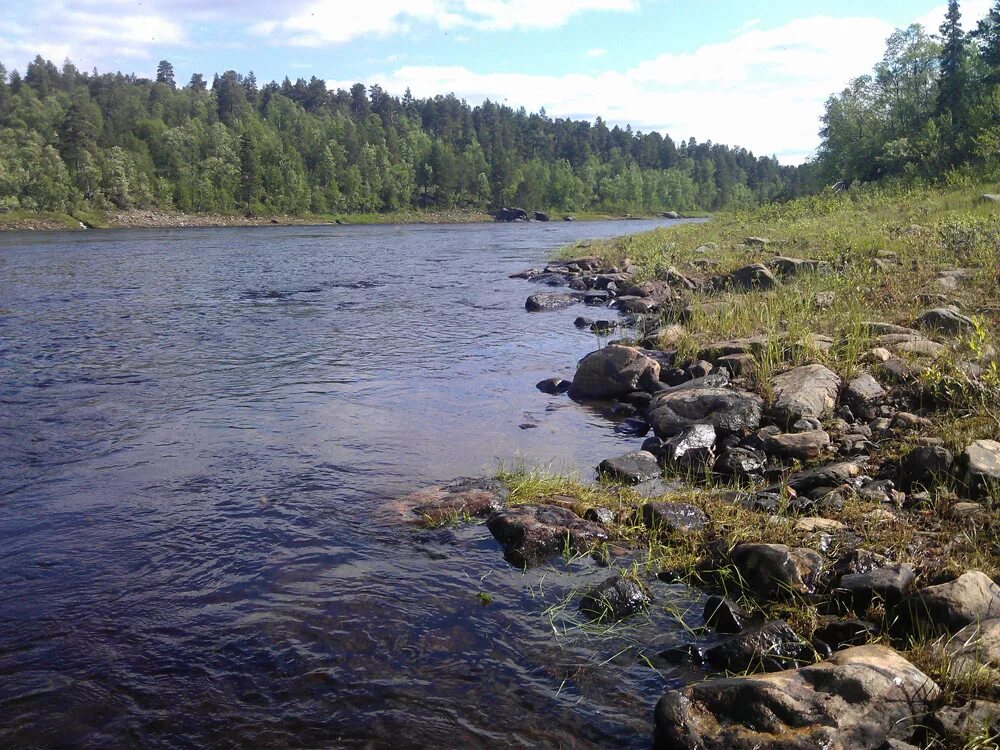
(828, 473)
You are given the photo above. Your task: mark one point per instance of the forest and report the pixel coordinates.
(73, 141)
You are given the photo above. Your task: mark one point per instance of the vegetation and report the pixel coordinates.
(73, 141)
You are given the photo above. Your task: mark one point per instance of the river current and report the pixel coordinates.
(202, 432)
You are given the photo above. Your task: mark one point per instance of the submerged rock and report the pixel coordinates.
(553, 386)
(857, 700)
(532, 533)
(614, 599)
(613, 372)
(462, 497)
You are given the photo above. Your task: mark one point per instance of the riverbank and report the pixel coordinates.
(158, 219)
(818, 382)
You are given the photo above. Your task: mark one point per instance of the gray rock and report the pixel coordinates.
(925, 466)
(957, 724)
(946, 320)
(757, 241)
(583, 322)
(921, 348)
(723, 615)
(857, 700)
(600, 515)
(691, 448)
(730, 412)
(614, 599)
(798, 445)
(864, 395)
(613, 372)
(888, 585)
(803, 392)
(739, 463)
(546, 302)
(981, 460)
(974, 647)
(553, 386)
(787, 267)
(971, 598)
(776, 570)
(736, 364)
(770, 647)
(840, 634)
(754, 276)
(630, 468)
(806, 425)
(671, 517)
(899, 370)
(831, 475)
(532, 533)
(462, 497)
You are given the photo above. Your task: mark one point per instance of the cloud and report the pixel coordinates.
(596, 52)
(972, 11)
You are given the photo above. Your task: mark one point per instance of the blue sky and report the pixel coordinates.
(744, 73)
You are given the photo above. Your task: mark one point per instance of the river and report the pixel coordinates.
(201, 433)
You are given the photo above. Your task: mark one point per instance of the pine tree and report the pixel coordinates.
(952, 83)
(165, 74)
(987, 36)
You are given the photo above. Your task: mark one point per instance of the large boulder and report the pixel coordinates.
(982, 467)
(532, 533)
(970, 598)
(613, 372)
(856, 700)
(777, 571)
(803, 392)
(729, 411)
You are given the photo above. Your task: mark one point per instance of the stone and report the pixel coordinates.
(614, 599)
(583, 322)
(926, 466)
(976, 720)
(729, 411)
(807, 391)
(887, 585)
(614, 371)
(921, 348)
(461, 497)
(971, 598)
(899, 370)
(699, 369)
(831, 475)
(600, 515)
(630, 468)
(974, 647)
(671, 517)
(553, 386)
(840, 634)
(805, 425)
(818, 525)
(692, 447)
(757, 241)
(787, 267)
(546, 302)
(946, 320)
(723, 615)
(632, 426)
(770, 647)
(904, 421)
(864, 395)
(981, 461)
(754, 276)
(798, 445)
(776, 570)
(739, 463)
(858, 699)
(532, 533)
(736, 364)
(968, 513)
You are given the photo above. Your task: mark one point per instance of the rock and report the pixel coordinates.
(981, 460)
(967, 726)
(770, 647)
(670, 517)
(971, 598)
(757, 241)
(818, 525)
(614, 599)
(776, 570)
(974, 647)
(600, 515)
(921, 348)
(739, 463)
(887, 585)
(583, 322)
(968, 512)
(899, 370)
(532, 533)
(723, 615)
(632, 426)
(754, 276)
(546, 302)
(736, 364)
(798, 445)
(807, 391)
(840, 634)
(614, 371)
(787, 267)
(946, 320)
(730, 412)
(805, 425)
(906, 422)
(692, 447)
(541, 216)
(988, 198)
(636, 305)
(603, 327)
(631, 468)
(824, 300)
(462, 497)
(831, 475)
(553, 386)
(857, 700)
(511, 214)
(926, 466)
(670, 215)
(699, 369)
(864, 396)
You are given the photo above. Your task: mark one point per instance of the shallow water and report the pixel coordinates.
(201, 432)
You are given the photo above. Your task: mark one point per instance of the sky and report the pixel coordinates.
(739, 72)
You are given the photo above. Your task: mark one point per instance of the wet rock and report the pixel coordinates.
(596, 298)
(754, 276)
(553, 386)
(583, 322)
(946, 320)
(957, 725)
(981, 460)
(549, 279)
(864, 396)
(803, 392)
(546, 302)
(724, 616)
(840, 634)
(888, 585)
(636, 305)
(614, 599)
(532, 533)
(740, 463)
(630, 468)
(971, 598)
(770, 647)
(729, 411)
(603, 327)
(691, 448)
(798, 445)
(858, 700)
(633, 426)
(925, 466)
(858, 561)
(831, 475)
(462, 497)
(671, 517)
(600, 515)
(776, 570)
(613, 372)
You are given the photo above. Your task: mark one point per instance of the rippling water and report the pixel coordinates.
(200, 434)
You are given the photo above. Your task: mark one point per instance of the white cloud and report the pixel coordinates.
(972, 11)
(596, 52)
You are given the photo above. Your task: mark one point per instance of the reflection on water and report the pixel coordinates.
(200, 432)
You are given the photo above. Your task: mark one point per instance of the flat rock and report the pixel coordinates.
(546, 302)
(858, 699)
(630, 468)
(807, 391)
(971, 598)
(776, 570)
(831, 475)
(671, 517)
(798, 445)
(946, 320)
(729, 411)
(818, 525)
(614, 599)
(613, 372)
(532, 533)
(981, 460)
(462, 497)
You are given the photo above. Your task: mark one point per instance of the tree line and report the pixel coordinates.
(72, 140)
(930, 109)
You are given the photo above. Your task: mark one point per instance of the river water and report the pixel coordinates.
(201, 434)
